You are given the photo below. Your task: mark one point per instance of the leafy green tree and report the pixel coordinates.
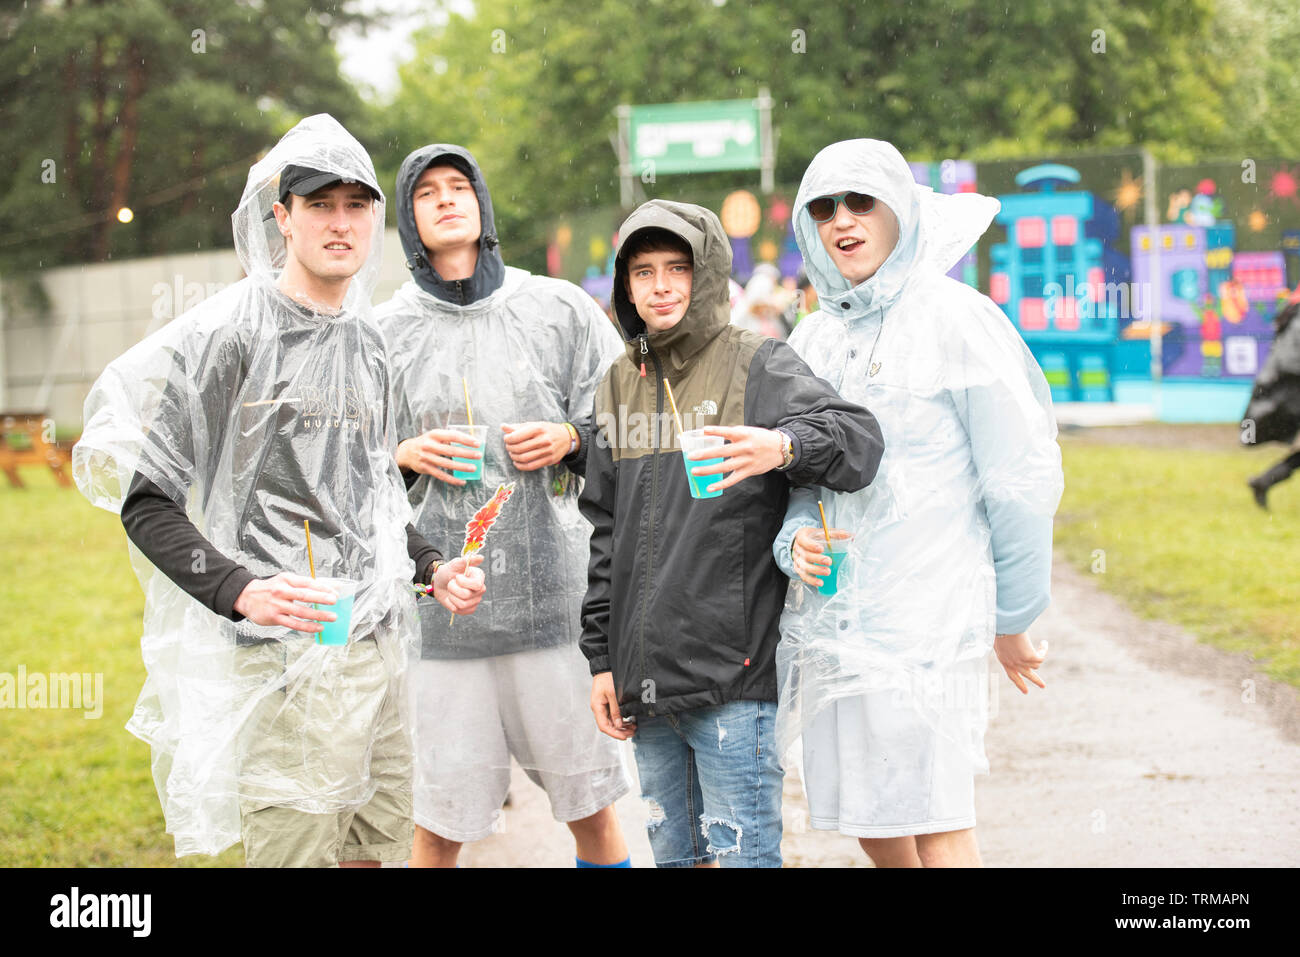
(155, 105)
(530, 85)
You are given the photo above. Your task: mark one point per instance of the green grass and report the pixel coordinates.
(1184, 541)
(74, 791)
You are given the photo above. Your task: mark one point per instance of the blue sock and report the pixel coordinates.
(625, 862)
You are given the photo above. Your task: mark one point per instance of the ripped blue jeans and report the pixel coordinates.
(712, 785)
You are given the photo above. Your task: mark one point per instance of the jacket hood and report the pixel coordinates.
(322, 143)
(934, 230)
(489, 272)
(709, 311)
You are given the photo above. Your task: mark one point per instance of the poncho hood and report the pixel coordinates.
(322, 143)
(489, 272)
(709, 311)
(934, 230)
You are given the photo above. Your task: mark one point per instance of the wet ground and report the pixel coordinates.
(1146, 749)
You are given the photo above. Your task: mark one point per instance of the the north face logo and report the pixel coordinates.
(707, 407)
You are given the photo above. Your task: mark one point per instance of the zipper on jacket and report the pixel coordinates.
(654, 502)
(644, 349)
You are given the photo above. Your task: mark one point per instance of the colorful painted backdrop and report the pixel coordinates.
(1073, 264)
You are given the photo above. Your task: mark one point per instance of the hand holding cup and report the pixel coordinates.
(811, 561)
(433, 452)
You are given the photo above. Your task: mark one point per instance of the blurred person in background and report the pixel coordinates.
(763, 304)
(1274, 408)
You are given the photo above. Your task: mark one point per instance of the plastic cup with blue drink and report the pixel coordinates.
(336, 632)
(471, 469)
(838, 551)
(696, 441)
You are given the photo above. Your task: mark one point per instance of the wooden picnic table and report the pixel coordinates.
(26, 438)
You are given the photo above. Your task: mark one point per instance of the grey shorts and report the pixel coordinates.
(473, 716)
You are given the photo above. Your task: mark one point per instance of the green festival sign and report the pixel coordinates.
(699, 137)
(696, 137)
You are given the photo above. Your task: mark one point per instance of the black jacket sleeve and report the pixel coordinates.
(165, 535)
(597, 506)
(837, 444)
(161, 530)
(422, 553)
(577, 462)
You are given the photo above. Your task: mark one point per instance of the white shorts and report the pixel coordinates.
(874, 769)
(473, 715)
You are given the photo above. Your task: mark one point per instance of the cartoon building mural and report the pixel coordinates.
(1076, 270)
(1220, 302)
(1062, 284)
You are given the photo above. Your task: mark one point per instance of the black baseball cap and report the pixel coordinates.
(451, 159)
(304, 180)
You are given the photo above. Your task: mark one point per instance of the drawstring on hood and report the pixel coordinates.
(709, 311)
(934, 229)
(489, 271)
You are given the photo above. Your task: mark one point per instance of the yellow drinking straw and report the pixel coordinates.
(825, 528)
(672, 402)
(311, 562)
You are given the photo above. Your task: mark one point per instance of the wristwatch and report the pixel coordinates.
(787, 450)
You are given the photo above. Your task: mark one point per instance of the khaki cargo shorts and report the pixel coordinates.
(337, 738)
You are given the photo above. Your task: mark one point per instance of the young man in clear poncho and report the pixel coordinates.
(525, 352)
(217, 438)
(886, 679)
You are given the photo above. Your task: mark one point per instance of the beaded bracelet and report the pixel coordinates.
(433, 572)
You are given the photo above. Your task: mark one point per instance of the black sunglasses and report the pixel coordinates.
(822, 209)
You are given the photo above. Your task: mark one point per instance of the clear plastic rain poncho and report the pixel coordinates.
(534, 350)
(256, 412)
(526, 348)
(971, 471)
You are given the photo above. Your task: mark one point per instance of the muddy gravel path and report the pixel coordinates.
(1147, 749)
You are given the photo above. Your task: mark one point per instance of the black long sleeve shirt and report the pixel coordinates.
(162, 531)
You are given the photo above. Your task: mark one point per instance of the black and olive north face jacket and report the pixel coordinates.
(684, 595)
